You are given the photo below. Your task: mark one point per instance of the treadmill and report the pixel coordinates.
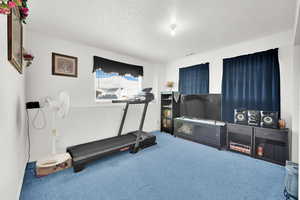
(133, 141)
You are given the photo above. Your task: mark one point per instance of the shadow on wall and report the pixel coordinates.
(19, 114)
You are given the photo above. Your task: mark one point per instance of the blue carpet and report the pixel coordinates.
(174, 169)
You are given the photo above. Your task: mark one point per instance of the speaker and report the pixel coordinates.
(269, 119)
(241, 116)
(253, 117)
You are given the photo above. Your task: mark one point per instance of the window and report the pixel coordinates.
(251, 82)
(112, 86)
(194, 79)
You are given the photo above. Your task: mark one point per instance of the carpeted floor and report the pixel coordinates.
(174, 169)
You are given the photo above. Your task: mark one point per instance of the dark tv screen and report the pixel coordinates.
(202, 106)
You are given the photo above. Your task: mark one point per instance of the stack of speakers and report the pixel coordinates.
(264, 119)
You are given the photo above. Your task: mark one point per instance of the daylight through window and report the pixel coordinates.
(110, 86)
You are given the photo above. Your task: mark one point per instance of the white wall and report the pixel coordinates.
(296, 103)
(87, 120)
(296, 88)
(283, 41)
(13, 143)
(297, 25)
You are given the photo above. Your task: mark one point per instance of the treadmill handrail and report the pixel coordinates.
(139, 132)
(147, 97)
(129, 102)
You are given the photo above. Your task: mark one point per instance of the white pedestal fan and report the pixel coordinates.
(60, 108)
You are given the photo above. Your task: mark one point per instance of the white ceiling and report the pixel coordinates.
(141, 28)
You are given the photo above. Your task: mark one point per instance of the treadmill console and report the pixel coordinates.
(147, 90)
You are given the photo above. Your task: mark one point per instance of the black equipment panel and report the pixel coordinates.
(269, 119)
(253, 117)
(241, 116)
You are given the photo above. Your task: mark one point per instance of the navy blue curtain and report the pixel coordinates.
(194, 79)
(251, 82)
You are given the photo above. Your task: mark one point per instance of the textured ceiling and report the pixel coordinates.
(141, 28)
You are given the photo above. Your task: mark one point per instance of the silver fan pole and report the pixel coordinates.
(54, 133)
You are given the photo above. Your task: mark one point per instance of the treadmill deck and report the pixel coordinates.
(96, 148)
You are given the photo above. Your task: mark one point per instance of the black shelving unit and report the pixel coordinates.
(274, 144)
(267, 144)
(169, 111)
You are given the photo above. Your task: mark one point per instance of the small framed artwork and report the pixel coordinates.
(15, 39)
(63, 65)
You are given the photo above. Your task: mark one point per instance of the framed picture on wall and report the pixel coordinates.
(15, 39)
(63, 65)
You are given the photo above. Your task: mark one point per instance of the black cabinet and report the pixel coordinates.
(240, 138)
(271, 144)
(262, 143)
(169, 110)
(210, 133)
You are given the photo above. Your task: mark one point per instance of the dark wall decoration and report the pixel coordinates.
(15, 39)
(63, 65)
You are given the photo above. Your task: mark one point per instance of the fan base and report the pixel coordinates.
(53, 164)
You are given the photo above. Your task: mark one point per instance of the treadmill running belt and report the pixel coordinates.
(84, 151)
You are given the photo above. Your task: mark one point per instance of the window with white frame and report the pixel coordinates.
(112, 86)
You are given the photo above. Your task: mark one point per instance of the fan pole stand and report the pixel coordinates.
(54, 133)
